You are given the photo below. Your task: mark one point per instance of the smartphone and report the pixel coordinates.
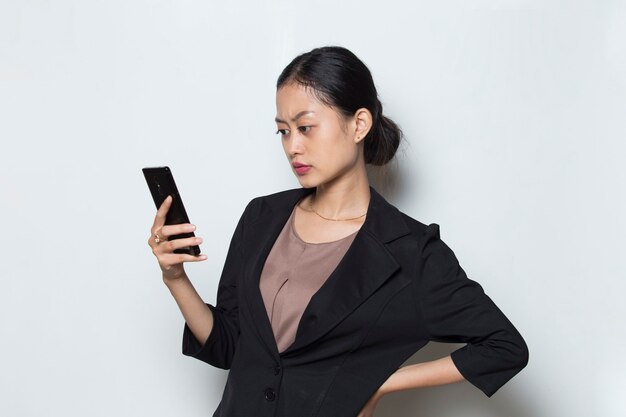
(161, 184)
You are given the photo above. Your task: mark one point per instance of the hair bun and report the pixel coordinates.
(383, 141)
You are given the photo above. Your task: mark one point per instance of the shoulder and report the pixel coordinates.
(399, 230)
(431, 247)
(426, 237)
(416, 229)
(422, 231)
(426, 232)
(433, 257)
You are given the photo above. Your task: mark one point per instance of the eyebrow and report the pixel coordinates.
(299, 115)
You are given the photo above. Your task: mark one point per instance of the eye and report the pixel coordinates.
(304, 129)
(282, 132)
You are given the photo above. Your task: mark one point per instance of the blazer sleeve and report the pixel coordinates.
(219, 348)
(457, 310)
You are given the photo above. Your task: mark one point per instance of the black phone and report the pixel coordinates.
(161, 183)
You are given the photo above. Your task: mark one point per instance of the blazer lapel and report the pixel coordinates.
(264, 231)
(366, 266)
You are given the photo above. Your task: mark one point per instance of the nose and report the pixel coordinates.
(294, 145)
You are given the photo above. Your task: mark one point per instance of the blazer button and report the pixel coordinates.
(270, 395)
(276, 370)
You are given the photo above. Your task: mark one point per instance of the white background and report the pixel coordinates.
(514, 115)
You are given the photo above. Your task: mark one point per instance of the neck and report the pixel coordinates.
(349, 198)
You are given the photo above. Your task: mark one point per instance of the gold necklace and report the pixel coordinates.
(328, 218)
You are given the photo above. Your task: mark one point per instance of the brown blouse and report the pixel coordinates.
(293, 272)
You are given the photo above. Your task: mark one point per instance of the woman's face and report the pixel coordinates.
(320, 144)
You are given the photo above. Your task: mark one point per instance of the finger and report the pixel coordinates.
(178, 258)
(155, 239)
(175, 229)
(174, 244)
(159, 219)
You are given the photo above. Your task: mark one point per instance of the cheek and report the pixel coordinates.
(338, 156)
(335, 142)
(344, 150)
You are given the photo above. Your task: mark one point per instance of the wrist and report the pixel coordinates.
(173, 280)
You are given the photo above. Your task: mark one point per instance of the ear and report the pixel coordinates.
(363, 121)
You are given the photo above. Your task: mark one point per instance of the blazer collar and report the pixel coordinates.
(365, 267)
(383, 220)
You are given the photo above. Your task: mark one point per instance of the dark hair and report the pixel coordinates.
(339, 79)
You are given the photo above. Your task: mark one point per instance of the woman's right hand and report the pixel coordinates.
(171, 263)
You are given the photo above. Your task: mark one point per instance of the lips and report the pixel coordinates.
(301, 168)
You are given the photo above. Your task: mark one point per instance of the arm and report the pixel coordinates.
(191, 305)
(210, 333)
(212, 336)
(455, 309)
(426, 374)
(197, 314)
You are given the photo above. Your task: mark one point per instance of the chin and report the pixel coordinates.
(307, 182)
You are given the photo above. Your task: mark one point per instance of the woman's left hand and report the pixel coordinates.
(370, 406)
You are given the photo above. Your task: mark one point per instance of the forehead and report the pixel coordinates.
(293, 98)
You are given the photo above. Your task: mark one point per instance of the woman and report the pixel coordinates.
(327, 289)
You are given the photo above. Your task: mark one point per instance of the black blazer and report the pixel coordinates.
(397, 287)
